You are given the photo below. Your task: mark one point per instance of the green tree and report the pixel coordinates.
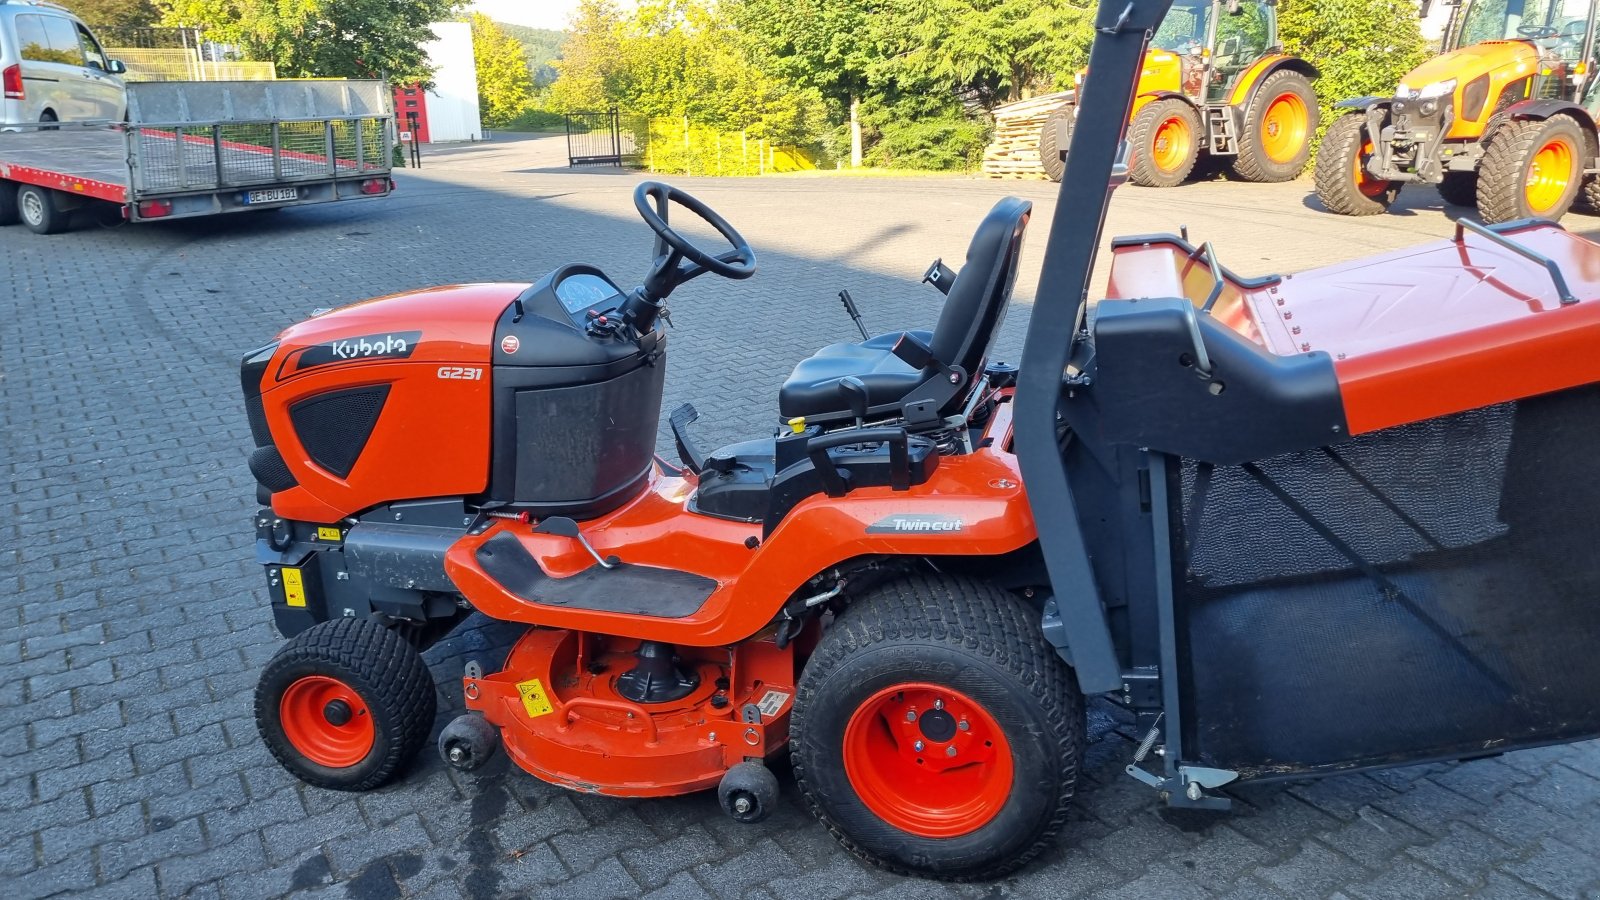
(323, 38)
(1361, 47)
(994, 50)
(822, 44)
(591, 63)
(505, 87)
(115, 13)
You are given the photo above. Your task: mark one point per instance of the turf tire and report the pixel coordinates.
(379, 665)
(1336, 167)
(1460, 188)
(1143, 169)
(1253, 163)
(1052, 153)
(1507, 159)
(970, 636)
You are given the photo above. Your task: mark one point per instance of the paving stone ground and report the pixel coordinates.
(134, 622)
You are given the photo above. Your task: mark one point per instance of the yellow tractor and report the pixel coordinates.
(1503, 120)
(1214, 81)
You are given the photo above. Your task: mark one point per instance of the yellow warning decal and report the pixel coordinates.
(325, 533)
(534, 701)
(294, 587)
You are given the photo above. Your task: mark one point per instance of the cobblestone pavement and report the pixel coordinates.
(134, 622)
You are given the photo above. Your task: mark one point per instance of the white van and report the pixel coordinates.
(53, 69)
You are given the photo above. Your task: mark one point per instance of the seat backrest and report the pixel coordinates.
(976, 304)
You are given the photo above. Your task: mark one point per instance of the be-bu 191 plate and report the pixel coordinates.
(271, 195)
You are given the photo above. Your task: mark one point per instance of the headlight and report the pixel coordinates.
(1435, 89)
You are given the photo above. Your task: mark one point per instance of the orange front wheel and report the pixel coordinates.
(345, 704)
(936, 731)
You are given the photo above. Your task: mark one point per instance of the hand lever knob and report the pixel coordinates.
(854, 391)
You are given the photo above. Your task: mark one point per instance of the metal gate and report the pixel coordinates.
(605, 138)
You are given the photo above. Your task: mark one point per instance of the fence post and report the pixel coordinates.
(616, 135)
(567, 120)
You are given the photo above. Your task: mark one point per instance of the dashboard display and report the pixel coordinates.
(581, 291)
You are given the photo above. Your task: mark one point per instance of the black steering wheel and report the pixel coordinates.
(676, 258)
(1538, 31)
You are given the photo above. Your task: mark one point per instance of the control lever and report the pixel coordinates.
(565, 527)
(854, 391)
(850, 307)
(940, 276)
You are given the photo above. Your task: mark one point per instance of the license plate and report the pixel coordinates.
(272, 195)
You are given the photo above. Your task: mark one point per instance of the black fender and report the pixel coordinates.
(1544, 109)
(1363, 102)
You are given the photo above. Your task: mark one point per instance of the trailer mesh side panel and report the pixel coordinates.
(1431, 590)
(241, 154)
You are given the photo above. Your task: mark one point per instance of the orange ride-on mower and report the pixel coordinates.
(1504, 120)
(1290, 526)
(1215, 82)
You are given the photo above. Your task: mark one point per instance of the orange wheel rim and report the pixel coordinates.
(1366, 184)
(327, 721)
(1550, 175)
(1284, 127)
(1173, 144)
(928, 760)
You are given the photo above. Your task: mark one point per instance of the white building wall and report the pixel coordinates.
(453, 102)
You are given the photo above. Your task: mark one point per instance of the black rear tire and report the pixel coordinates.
(1508, 164)
(385, 675)
(1164, 143)
(38, 209)
(1256, 161)
(1460, 189)
(8, 203)
(977, 643)
(1052, 149)
(1342, 185)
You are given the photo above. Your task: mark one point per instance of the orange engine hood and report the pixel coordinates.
(1470, 62)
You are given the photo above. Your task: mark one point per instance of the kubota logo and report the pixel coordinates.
(392, 345)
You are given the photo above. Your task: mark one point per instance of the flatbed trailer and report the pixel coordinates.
(203, 148)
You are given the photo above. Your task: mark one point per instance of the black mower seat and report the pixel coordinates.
(972, 314)
(813, 387)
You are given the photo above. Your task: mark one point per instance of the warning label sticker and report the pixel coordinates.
(534, 701)
(294, 587)
(771, 703)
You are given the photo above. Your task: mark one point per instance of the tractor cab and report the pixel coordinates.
(1213, 43)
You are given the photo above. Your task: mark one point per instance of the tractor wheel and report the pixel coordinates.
(1459, 188)
(936, 732)
(345, 704)
(1053, 142)
(1531, 168)
(1343, 184)
(1589, 198)
(1278, 125)
(1164, 141)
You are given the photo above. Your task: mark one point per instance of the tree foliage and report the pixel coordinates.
(505, 86)
(323, 38)
(541, 47)
(1361, 47)
(115, 13)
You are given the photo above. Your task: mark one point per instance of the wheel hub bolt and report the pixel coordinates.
(964, 725)
(938, 704)
(917, 746)
(911, 715)
(742, 805)
(457, 755)
(950, 750)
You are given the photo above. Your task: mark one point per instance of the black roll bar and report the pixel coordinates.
(1095, 165)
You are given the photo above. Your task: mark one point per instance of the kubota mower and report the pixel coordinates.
(1504, 120)
(1215, 82)
(1291, 526)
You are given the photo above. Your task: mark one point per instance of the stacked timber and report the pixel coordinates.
(1014, 151)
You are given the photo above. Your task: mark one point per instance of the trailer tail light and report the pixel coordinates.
(374, 186)
(12, 78)
(154, 209)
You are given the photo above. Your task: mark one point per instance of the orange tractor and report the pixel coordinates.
(1503, 120)
(1214, 81)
